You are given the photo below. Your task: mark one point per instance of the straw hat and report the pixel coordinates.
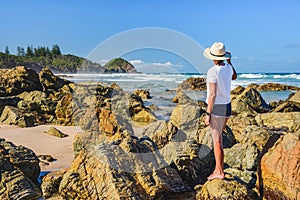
(217, 51)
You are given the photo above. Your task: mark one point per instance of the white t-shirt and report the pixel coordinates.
(221, 75)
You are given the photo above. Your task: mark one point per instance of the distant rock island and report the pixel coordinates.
(42, 57)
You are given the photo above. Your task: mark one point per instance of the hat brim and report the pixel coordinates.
(207, 55)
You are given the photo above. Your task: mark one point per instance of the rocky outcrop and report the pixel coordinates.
(119, 65)
(274, 87)
(17, 80)
(280, 169)
(38, 98)
(19, 172)
(125, 169)
(49, 81)
(197, 84)
(249, 101)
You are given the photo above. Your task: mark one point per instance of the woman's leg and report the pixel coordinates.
(217, 125)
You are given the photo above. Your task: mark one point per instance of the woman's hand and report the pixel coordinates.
(207, 119)
(229, 60)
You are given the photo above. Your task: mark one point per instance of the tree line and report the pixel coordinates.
(36, 52)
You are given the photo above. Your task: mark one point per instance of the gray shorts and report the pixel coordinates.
(222, 110)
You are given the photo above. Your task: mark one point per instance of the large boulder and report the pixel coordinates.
(241, 161)
(50, 81)
(249, 100)
(123, 169)
(242, 156)
(19, 172)
(290, 120)
(64, 110)
(280, 171)
(17, 80)
(187, 112)
(224, 189)
(15, 116)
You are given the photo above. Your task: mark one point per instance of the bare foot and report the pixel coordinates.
(216, 175)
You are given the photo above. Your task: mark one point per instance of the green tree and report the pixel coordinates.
(35, 52)
(29, 51)
(18, 51)
(6, 50)
(55, 50)
(47, 52)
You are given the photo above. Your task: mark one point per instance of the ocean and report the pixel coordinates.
(163, 86)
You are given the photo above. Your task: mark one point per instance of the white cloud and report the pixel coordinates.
(136, 62)
(103, 61)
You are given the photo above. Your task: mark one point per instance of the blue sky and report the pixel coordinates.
(263, 36)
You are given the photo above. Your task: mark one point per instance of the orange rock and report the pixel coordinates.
(280, 168)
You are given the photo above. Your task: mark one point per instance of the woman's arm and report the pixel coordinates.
(211, 100)
(234, 75)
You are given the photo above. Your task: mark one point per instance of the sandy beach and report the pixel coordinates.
(41, 143)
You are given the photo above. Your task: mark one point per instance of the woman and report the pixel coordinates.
(218, 100)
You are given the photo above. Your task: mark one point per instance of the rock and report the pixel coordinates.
(193, 83)
(203, 136)
(15, 116)
(50, 183)
(246, 177)
(242, 156)
(295, 97)
(288, 106)
(64, 110)
(107, 172)
(161, 132)
(17, 80)
(280, 172)
(237, 91)
(50, 81)
(290, 120)
(194, 162)
(55, 132)
(253, 134)
(119, 65)
(187, 112)
(19, 172)
(48, 158)
(144, 94)
(249, 100)
(241, 107)
(276, 87)
(138, 111)
(225, 189)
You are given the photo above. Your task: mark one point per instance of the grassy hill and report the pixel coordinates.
(56, 63)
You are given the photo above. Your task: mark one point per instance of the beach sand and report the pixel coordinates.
(41, 143)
